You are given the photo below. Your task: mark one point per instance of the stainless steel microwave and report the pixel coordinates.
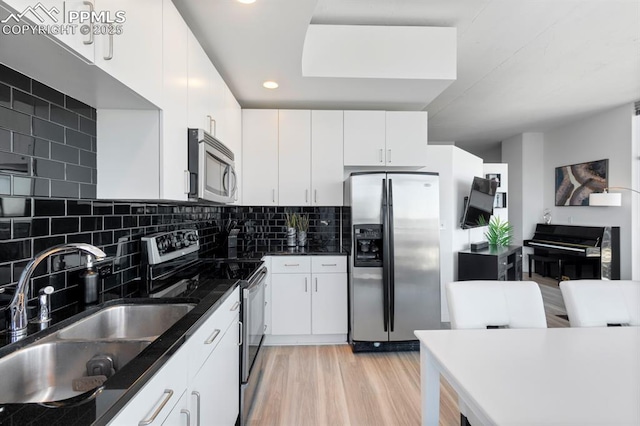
(212, 175)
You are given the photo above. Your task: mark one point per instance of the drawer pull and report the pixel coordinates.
(212, 337)
(169, 394)
(329, 264)
(235, 306)
(291, 264)
(316, 284)
(241, 333)
(188, 414)
(197, 395)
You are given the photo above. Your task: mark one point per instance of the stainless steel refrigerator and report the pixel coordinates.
(394, 285)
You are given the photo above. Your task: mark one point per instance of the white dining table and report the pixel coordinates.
(523, 377)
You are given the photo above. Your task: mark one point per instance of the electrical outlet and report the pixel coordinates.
(105, 270)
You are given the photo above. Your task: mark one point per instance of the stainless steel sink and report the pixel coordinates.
(45, 372)
(126, 322)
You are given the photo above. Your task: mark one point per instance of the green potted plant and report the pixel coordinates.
(499, 232)
(303, 226)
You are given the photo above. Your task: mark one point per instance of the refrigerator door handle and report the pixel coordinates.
(385, 258)
(392, 290)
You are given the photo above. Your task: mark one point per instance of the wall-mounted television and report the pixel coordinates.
(478, 206)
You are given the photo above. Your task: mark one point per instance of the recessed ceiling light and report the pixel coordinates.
(247, 1)
(270, 84)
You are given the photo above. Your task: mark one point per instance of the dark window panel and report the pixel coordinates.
(46, 92)
(48, 169)
(15, 250)
(49, 207)
(93, 223)
(78, 173)
(65, 153)
(60, 188)
(88, 159)
(5, 140)
(14, 78)
(15, 207)
(31, 105)
(64, 116)
(77, 139)
(47, 130)
(5, 229)
(102, 208)
(88, 126)
(64, 225)
(40, 244)
(14, 120)
(78, 208)
(78, 107)
(5, 95)
(88, 192)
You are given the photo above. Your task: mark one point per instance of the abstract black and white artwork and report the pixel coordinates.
(574, 183)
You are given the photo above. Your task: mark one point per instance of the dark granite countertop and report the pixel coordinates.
(308, 252)
(119, 388)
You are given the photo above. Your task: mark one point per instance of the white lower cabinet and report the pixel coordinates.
(308, 299)
(201, 382)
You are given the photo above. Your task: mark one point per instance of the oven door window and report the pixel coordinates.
(216, 176)
(256, 322)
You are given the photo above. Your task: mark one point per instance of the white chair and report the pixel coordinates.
(601, 303)
(491, 304)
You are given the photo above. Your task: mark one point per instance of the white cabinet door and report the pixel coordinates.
(364, 138)
(294, 157)
(232, 136)
(214, 395)
(134, 57)
(200, 85)
(173, 146)
(290, 304)
(327, 170)
(406, 135)
(329, 304)
(217, 105)
(259, 157)
(58, 13)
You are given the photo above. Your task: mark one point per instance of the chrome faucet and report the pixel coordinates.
(17, 309)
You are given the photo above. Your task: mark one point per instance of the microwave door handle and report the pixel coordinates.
(234, 188)
(225, 177)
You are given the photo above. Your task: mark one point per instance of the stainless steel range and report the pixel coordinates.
(171, 267)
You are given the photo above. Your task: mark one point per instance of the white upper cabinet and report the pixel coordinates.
(294, 157)
(364, 138)
(173, 152)
(327, 171)
(259, 157)
(200, 86)
(134, 56)
(232, 136)
(379, 138)
(406, 135)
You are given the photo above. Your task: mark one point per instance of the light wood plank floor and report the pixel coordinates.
(331, 386)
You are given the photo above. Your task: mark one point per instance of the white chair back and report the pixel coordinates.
(598, 303)
(479, 304)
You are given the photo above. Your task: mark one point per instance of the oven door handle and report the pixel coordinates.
(257, 279)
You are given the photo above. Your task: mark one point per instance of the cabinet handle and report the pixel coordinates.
(316, 284)
(110, 54)
(87, 3)
(329, 264)
(273, 195)
(188, 414)
(265, 327)
(306, 195)
(169, 394)
(214, 129)
(212, 337)
(291, 264)
(241, 330)
(305, 284)
(197, 395)
(187, 182)
(315, 195)
(235, 306)
(381, 160)
(389, 159)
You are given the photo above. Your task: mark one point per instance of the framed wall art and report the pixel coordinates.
(574, 183)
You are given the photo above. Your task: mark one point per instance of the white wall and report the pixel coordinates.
(607, 135)
(635, 218)
(501, 169)
(456, 169)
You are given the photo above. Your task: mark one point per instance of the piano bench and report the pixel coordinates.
(546, 261)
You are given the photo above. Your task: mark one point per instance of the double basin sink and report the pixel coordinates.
(75, 359)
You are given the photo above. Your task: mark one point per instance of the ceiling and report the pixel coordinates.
(523, 65)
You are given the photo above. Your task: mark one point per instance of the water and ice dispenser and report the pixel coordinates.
(368, 245)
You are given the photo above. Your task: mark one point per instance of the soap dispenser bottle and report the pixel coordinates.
(90, 283)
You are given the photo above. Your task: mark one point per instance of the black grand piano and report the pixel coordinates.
(590, 251)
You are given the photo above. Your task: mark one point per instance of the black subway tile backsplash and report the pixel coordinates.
(90, 224)
(44, 207)
(88, 125)
(15, 250)
(14, 120)
(46, 92)
(48, 130)
(5, 95)
(78, 139)
(64, 225)
(65, 153)
(78, 208)
(5, 140)
(61, 188)
(64, 117)
(14, 78)
(79, 107)
(40, 244)
(31, 105)
(78, 173)
(48, 169)
(5, 229)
